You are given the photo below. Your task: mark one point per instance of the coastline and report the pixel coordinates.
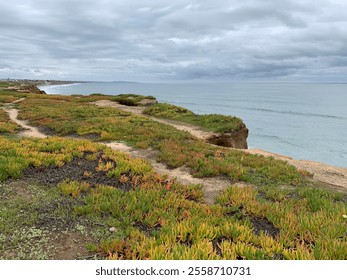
(57, 84)
(333, 176)
(275, 125)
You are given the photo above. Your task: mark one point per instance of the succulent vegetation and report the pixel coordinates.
(119, 208)
(156, 218)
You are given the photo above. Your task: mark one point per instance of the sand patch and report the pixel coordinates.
(21, 189)
(332, 175)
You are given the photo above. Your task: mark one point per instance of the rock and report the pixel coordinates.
(232, 139)
(112, 229)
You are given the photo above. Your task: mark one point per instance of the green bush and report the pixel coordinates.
(212, 122)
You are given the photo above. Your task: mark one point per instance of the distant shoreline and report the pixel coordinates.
(42, 82)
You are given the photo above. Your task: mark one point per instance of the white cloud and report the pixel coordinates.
(153, 40)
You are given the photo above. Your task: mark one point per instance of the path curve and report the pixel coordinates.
(29, 131)
(138, 110)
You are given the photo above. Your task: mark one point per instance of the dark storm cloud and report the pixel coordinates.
(173, 40)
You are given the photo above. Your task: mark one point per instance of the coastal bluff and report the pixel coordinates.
(31, 89)
(27, 88)
(219, 130)
(233, 139)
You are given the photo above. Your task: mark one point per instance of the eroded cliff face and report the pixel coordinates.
(232, 139)
(31, 89)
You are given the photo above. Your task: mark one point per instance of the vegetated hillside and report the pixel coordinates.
(59, 189)
(175, 148)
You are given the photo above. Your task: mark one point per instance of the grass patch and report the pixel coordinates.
(130, 99)
(6, 99)
(309, 221)
(6, 125)
(212, 122)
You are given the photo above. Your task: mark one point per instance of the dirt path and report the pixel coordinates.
(29, 131)
(211, 187)
(195, 131)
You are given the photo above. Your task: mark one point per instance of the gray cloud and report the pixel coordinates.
(174, 40)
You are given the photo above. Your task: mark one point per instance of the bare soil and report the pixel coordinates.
(69, 246)
(264, 225)
(79, 169)
(259, 224)
(21, 189)
(146, 229)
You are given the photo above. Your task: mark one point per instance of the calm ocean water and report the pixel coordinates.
(304, 121)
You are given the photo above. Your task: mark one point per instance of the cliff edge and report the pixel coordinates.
(233, 139)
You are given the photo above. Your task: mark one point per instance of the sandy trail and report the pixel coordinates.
(211, 187)
(29, 131)
(138, 110)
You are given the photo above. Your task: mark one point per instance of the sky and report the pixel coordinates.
(158, 41)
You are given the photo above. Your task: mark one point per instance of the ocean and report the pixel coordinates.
(304, 121)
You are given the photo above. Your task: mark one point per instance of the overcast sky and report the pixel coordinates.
(176, 40)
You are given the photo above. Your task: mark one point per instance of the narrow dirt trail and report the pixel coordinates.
(138, 110)
(29, 131)
(211, 187)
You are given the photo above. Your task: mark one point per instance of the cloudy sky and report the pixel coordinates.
(149, 40)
